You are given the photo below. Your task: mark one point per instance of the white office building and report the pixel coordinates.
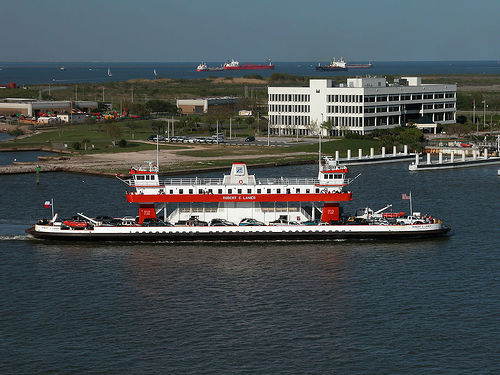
(361, 105)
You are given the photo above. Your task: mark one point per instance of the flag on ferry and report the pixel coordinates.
(405, 196)
(47, 204)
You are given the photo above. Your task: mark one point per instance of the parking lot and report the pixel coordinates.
(248, 141)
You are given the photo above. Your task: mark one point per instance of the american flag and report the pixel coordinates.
(405, 196)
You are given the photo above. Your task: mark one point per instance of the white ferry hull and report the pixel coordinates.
(240, 233)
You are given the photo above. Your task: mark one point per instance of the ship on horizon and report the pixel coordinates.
(342, 65)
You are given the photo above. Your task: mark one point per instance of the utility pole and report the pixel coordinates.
(76, 93)
(103, 94)
(132, 89)
(230, 128)
(484, 113)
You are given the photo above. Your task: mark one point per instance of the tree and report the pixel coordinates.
(160, 106)
(158, 127)
(114, 132)
(85, 141)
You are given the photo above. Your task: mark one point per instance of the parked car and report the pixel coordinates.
(314, 222)
(250, 139)
(221, 223)
(193, 221)
(154, 222)
(251, 222)
(282, 221)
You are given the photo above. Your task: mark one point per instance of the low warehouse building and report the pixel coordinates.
(199, 106)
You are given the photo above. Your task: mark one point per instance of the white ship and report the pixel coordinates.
(240, 207)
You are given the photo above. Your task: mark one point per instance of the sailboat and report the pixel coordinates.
(109, 72)
(155, 73)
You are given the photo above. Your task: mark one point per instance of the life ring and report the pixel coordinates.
(240, 182)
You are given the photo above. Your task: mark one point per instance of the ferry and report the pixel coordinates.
(240, 207)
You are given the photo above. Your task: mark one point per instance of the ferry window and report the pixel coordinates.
(249, 191)
(259, 191)
(337, 176)
(181, 191)
(200, 191)
(171, 191)
(230, 191)
(297, 191)
(210, 191)
(220, 191)
(317, 190)
(278, 191)
(140, 177)
(331, 176)
(308, 191)
(190, 191)
(239, 191)
(288, 191)
(268, 191)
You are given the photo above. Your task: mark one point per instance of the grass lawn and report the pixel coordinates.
(328, 147)
(100, 135)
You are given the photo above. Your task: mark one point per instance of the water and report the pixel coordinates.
(38, 73)
(365, 307)
(8, 157)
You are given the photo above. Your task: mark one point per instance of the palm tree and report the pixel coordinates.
(85, 141)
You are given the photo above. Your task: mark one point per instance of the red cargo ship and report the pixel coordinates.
(235, 65)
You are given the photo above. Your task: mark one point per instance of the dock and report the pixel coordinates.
(462, 162)
(384, 157)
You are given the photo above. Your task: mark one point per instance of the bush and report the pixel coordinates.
(16, 132)
(77, 145)
(122, 143)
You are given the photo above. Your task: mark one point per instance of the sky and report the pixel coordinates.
(250, 30)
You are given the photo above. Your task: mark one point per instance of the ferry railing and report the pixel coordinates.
(220, 181)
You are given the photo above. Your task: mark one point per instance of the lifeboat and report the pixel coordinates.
(75, 224)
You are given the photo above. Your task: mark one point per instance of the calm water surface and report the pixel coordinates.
(365, 307)
(37, 73)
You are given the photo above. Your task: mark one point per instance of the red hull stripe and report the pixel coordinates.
(181, 198)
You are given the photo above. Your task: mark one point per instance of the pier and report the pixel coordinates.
(384, 157)
(460, 160)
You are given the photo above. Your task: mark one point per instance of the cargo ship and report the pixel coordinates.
(203, 67)
(334, 65)
(240, 207)
(235, 65)
(359, 66)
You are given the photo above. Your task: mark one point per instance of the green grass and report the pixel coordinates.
(98, 134)
(328, 147)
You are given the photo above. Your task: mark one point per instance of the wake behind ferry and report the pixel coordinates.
(240, 207)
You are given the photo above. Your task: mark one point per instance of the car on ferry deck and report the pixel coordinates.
(251, 222)
(221, 223)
